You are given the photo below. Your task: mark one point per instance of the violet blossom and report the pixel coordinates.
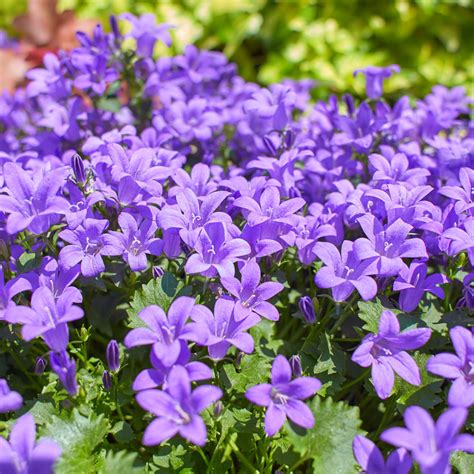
(177, 409)
(458, 367)
(386, 353)
(283, 397)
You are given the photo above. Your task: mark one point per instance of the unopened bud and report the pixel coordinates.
(113, 355)
(289, 139)
(157, 272)
(307, 308)
(218, 407)
(107, 380)
(269, 146)
(40, 365)
(78, 168)
(295, 364)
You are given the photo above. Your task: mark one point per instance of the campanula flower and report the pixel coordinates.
(374, 77)
(21, 455)
(344, 271)
(251, 295)
(216, 251)
(9, 399)
(413, 282)
(177, 409)
(386, 353)
(32, 204)
(167, 333)
(135, 242)
(65, 369)
(283, 397)
(47, 317)
(458, 367)
(388, 244)
(430, 443)
(222, 329)
(371, 459)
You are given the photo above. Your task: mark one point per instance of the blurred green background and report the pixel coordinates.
(432, 41)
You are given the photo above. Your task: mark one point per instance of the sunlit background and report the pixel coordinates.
(431, 40)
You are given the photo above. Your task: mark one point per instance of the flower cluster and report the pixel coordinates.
(113, 163)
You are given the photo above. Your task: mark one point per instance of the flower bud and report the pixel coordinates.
(157, 272)
(113, 356)
(295, 364)
(269, 146)
(289, 139)
(78, 168)
(107, 380)
(114, 27)
(307, 308)
(40, 365)
(218, 407)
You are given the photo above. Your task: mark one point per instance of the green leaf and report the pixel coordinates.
(326, 360)
(78, 437)
(161, 292)
(329, 442)
(463, 462)
(120, 463)
(370, 312)
(426, 394)
(253, 369)
(174, 455)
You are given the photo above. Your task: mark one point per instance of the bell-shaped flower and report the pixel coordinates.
(386, 353)
(251, 295)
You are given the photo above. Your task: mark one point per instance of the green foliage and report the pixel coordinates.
(329, 443)
(160, 292)
(78, 436)
(324, 40)
(120, 463)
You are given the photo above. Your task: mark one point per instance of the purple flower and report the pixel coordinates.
(461, 239)
(215, 252)
(283, 397)
(250, 294)
(395, 168)
(272, 104)
(135, 241)
(87, 247)
(190, 214)
(147, 32)
(177, 409)
(22, 456)
(386, 353)
(371, 459)
(167, 333)
(412, 283)
(32, 204)
(431, 444)
(113, 355)
(269, 208)
(8, 290)
(65, 369)
(223, 330)
(344, 272)
(374, 77)
(388, 245)
(9, 399)
(458, 367)
(464, 194)
(193, 120)
(47, 317)
(158, 375)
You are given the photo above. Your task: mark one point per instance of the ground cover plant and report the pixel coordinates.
(199, 274)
